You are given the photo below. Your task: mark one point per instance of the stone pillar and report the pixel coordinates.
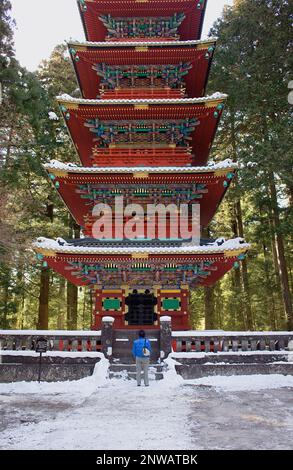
(107, 336)
(165, 337)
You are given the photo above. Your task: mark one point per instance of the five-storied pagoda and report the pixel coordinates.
(143, 131)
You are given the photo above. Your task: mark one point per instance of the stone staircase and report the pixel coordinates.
(118, 370)
(18, 367)
(233, 364)
(122, 364)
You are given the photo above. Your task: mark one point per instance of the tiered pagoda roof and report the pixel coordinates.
(82, 188)
(142, 69)
(93, 262)
(125, 132)
(106, 20)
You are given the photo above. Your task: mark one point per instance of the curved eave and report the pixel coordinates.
(212, 100)
(52, 249)
(64, 170)
(202, 43)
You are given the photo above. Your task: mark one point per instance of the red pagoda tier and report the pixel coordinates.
(115, 20)
(166, 132)
(123, 70)
(82, 188)
(114, 269)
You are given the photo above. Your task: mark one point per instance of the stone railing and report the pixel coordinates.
(220, 341)
(182, 341)
(69, 341)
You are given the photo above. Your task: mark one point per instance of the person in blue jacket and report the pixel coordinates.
(141, 351)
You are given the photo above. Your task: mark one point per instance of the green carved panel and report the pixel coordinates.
(111, 304)
(173, 304)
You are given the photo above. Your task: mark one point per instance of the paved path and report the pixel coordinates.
(121, 416)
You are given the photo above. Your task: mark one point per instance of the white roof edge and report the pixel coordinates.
(49, 333)
(53, 245)
(142, 43)
(69, 99)
(219, 333)
(72, 168)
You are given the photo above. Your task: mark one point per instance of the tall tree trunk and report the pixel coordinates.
(244, 272)
(61, 313)
(6, 302)
(9, 146)
(269, 296)
(43, 318)
(219, 308)
(83, 310)
(282, 265)
(238, 211)
(19, 296)
(209, 300)
(72, 290)
(72, 306)
(277, 285)
(209, 303)
(238, 306)
(92, 294)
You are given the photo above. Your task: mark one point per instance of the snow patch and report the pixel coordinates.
(221, 333)
(245, 382)
(159, 44)
(75, 333)
(108, 319)
(70, 354)
(69, 99)
(79, 388)
(200, 355)
(227, 164)
(235, 244)
(171, 378)
(53, 116)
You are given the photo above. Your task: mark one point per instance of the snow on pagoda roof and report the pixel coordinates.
(69, 99)
(72, 168)
(111, 44)
(219, 246)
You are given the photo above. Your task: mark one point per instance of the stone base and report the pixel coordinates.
(233, 364)
(54, 369)
(196, 371)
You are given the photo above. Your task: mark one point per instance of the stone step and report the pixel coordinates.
(128, 371)
(230, 358)
(123, 342)
(132, 375)
(194, 371)
(118, 367)
(129, 359)
(127, 345)
(134, 333)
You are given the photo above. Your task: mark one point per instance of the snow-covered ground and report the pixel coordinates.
(240, 412)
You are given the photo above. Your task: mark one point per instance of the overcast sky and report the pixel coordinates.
(42, 24)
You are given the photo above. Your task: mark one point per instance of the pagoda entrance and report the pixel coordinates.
(141, 308)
